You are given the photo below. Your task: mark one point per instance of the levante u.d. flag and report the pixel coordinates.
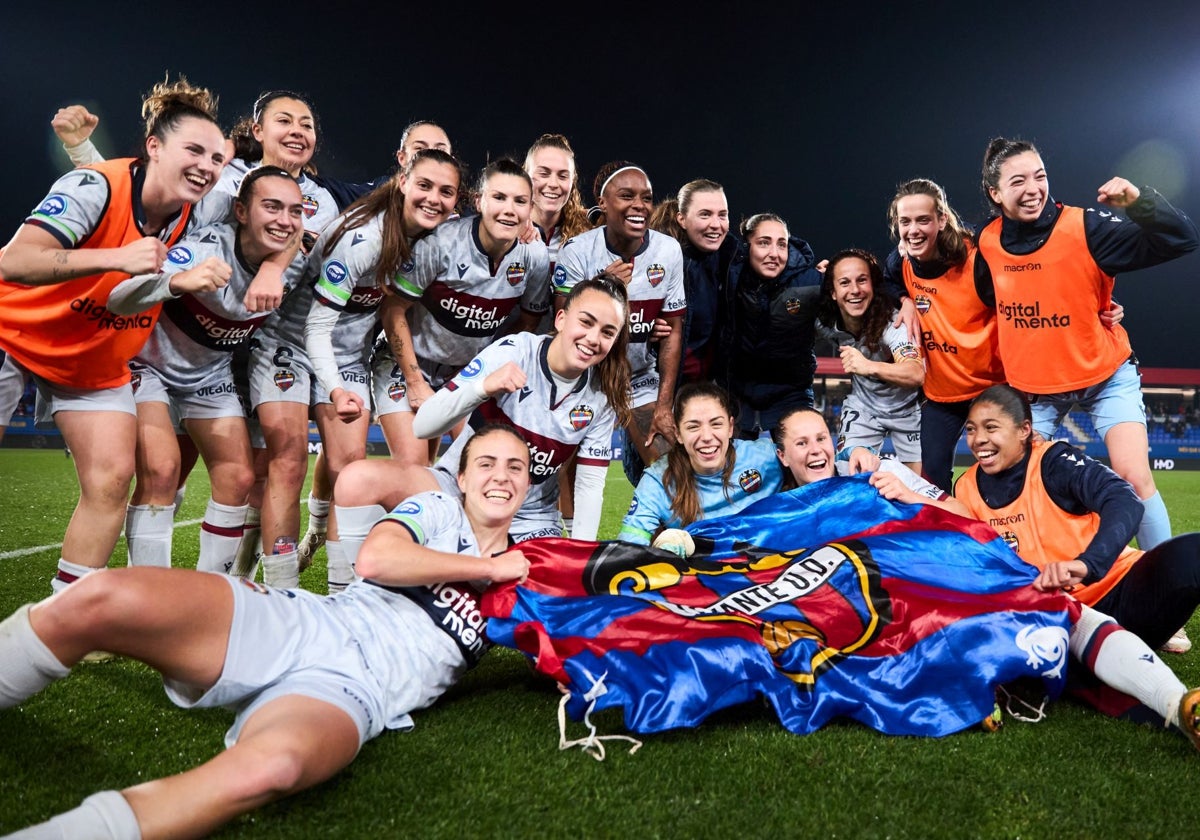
(829, 601)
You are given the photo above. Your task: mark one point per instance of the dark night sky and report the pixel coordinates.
(813, 114)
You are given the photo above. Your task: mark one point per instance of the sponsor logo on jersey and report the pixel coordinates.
(931, 343)
(927, 289)
(1026, 316)
(560, 275)
(923, 303)
(633, 506)
(210, 239)
(309, 205)
(1029, 266)
(655, 274)
(409, 507)
(284, 379)
(215, 390)
(54, 205)
(396, 391)
(472, 369)
(750, 480)
(792, 305)
(515, 274)
(180, 255)
(335, 271)
(581, 416)
(407, 266)
(462, 270)
(364, 299)
(908, 351)
(362, 377)
(102, 319)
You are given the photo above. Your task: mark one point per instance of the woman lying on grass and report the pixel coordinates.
(310, 678)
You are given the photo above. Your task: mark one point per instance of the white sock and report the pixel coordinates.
(68, 573)
(1126, 663)
(102, 816)
(179, 497)
(246, 564)
(354, 523)
(338, 572)
(318, 514)
(281, 570)
(26, 664)
(220, 537)
(148, 533)
(1156, 523)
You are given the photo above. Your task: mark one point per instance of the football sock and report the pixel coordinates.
(1126, 663)
(26, 664)
(318, 514)
(281, 570)
(220, 537)
(250, 547)
(339, 574)
(1156, 523)
(68, 573)
(148, 532)
(354, 523)
(102, 816)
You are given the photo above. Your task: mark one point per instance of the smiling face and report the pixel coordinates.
(185, 163)
(586, 329)
(430, 193)
(996, 439)
(918, 224)
(768, 249)
(274, 213)
(288, 134)
(423, 136)
(806, 447)
(706, 221)
(704, 431)
(495, 477)
(1023, 188)
(852, 288)
(504, 207)
(553, 173)
(627, 202)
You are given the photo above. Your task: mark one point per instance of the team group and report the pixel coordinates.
(152, 300)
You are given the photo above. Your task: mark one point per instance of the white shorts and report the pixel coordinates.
(280, 373)
(290, 641)
(858, 427)
(215, 397)
(643, 389)
(13, 379)
(388, 385)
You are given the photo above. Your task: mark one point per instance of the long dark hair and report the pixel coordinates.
(953, 238)
(879, 312)
(388, 200)
(1000, 149)
(1012, 404)
(613, 370)
(679, 479)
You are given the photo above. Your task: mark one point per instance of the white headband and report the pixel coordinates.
(604, 186)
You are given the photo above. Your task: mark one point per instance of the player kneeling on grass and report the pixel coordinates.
(359, 661)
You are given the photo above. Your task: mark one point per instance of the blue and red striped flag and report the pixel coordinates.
(805, 599)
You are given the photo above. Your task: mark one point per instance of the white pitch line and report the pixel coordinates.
(38, 549)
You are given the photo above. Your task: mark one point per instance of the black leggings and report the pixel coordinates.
(1160, 593)
(941, 427)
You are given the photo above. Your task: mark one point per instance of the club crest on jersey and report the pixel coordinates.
(655, 274)
(54, 205)
(335, 272)
(923, 303)
(396, 391)
(180, 255)
(309, 205)
(515, 274)
(410, 507)
(472, 369)
(135, 381)
(792, 305)
(284, 379)
(1010, 539)
(581, 416)
(750, 480)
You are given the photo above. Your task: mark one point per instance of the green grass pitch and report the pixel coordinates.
(484, 761)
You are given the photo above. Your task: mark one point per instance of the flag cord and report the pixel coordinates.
(593, 744)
